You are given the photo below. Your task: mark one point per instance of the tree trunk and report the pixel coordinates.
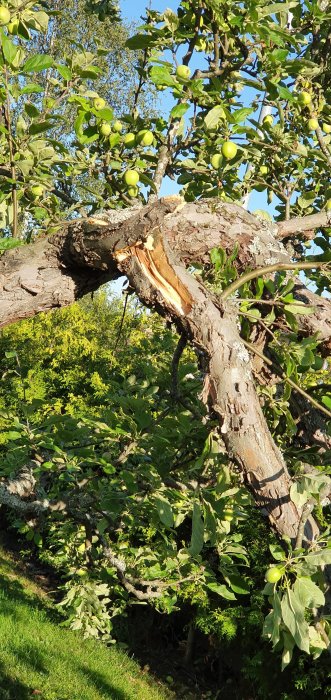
(152, 248)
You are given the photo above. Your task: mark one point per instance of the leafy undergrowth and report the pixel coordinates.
(40, 659)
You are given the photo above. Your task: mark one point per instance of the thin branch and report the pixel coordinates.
(277, 267)
(182, 342)
(301, 224)
(11, 154)
(289, 381)
(306, 512)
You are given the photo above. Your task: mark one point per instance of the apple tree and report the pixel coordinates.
(80, 206)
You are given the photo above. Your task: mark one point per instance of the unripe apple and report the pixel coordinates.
(304, 98)
(145, 137)
(312, 124)
(105, 129)
(37, 191)
(4, 15)
(117, 126)
(326, 128)
(264, 169)
(229, 150)
(133, 191)
(131, 178)
(328, 204)
(216, 160)
(268, 120)
(99, 103)
(183, 72)
(129, 140)
(228, 514)
(274, 574)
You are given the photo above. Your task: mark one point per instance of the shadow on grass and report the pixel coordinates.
(13, 591)
(12, 689)
(102, 684)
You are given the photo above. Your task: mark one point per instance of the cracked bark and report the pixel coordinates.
(153, 248)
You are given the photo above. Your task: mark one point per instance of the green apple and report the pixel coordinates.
(145, 137)
(229, 150)
(105, 129)
(99, 103)
(129, 140)
(312, 124)
(264, 169)
(133, 191)
(304, 98)
(4, 15)
(228, 514)
(117, 126)
(183, 72)
(131, 178)
(274, 574)
(326, 128)
(216, 160)
(268, 120)
(328, 204)
(37, 191)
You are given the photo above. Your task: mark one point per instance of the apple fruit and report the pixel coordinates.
(131, 178)
(264, 169)
(328, 204)
(145, 137)
(229, 150)
(268, 120)
(133, 191)
(183, 72)
(105, 129)
(326, 128)
(37, 191)
(312, 124)
(129, 140)
(228, 514)
(304, 98)
(117, 126)
(216, 160)
(4, 15)
(273, 574)
(99, 103)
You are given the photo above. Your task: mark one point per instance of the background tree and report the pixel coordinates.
(262, 337)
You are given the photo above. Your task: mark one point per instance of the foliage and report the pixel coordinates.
(154, 510)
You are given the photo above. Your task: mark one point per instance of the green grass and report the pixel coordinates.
(41, 660)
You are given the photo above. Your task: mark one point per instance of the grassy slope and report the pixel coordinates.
(39, 659)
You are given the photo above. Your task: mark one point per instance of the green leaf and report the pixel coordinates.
(238, 584)
(277, 552)
(179, 110)
(289, 644)
(164, 511)
(139, 41)
(299, 309)
(197, 530)
(37, 63)
(40, 127)
(276, 7)
(160, 75)
(320, 558)
(213, 116)
(327, 401)
(309, 594)
(31, 88)
(9, 49)
(293, 618)
(221, 590)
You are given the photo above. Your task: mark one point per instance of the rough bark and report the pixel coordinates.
(153, 248)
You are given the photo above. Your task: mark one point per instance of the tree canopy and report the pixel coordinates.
(142, 464)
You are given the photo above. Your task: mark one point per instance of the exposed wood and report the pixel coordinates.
(153, 247)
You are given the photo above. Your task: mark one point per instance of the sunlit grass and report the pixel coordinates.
(40, 659)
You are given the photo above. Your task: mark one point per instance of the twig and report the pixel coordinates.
(277, 267)
(306, 512)
(182, 342)
(11, 155)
